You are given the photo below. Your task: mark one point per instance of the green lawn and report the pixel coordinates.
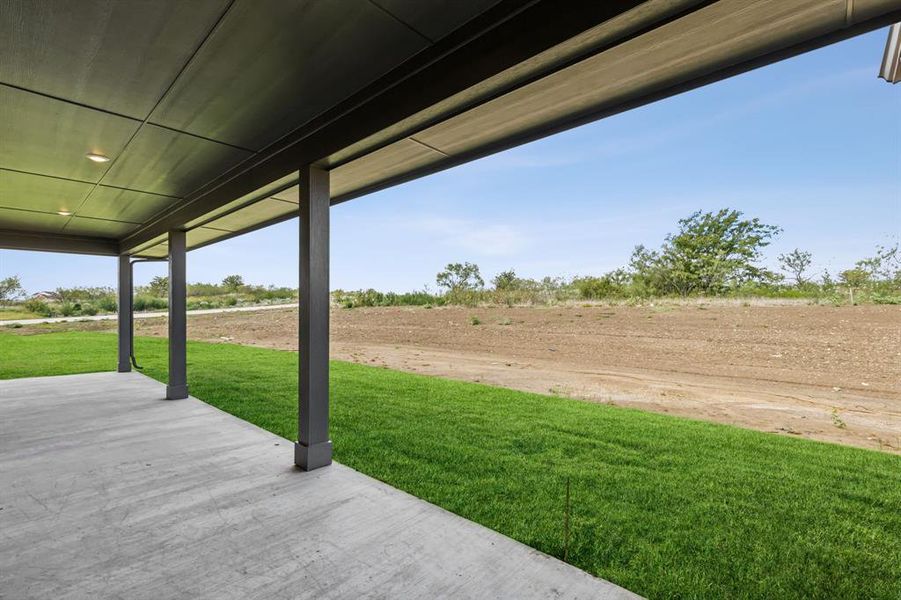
(9, 314)
(664, 506)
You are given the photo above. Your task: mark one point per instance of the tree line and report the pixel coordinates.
(711, 254)
(88, 301)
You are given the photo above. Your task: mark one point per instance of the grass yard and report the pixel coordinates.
(663, 506)
(8, 314)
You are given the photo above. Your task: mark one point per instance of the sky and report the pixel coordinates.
(812, 144)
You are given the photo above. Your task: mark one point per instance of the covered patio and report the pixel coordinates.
(108, 491)
(143, 130)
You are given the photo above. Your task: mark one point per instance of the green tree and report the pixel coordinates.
(458, 278)
(709, 254)
(159, 286)
(854, 279)
(505, 281)
(10, 288)
(233, 283)
(796, 263)
(885, 265)
(648, 276)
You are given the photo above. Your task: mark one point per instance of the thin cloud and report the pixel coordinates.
(469, 236)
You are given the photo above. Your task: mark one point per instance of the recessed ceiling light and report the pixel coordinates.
(98, 158)
(64, 213)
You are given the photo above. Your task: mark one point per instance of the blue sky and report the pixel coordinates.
(812, 144)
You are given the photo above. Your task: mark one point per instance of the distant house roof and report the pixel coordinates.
(45, 296)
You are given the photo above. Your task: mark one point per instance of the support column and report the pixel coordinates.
(313, 448)
(126, 307)
(178, 318)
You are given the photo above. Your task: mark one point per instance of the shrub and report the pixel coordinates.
(760, 290)
(371, 297)
(204, 289)
(202, 304)
(877, 298)
(260, 293)
(81, 294)
(38, 307)
(142, 303)
(597, 288)
(107, 304)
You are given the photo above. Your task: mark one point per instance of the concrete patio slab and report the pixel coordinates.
(109, 491)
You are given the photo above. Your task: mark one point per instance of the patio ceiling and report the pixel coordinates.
(207, 108)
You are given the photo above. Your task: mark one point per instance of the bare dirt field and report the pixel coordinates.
(821, 372)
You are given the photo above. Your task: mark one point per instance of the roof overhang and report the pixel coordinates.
(891, 59)
(69, 244)
(209, 141)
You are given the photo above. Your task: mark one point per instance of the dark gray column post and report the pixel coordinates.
(178, 318)
(126, 329)
(313, 448)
